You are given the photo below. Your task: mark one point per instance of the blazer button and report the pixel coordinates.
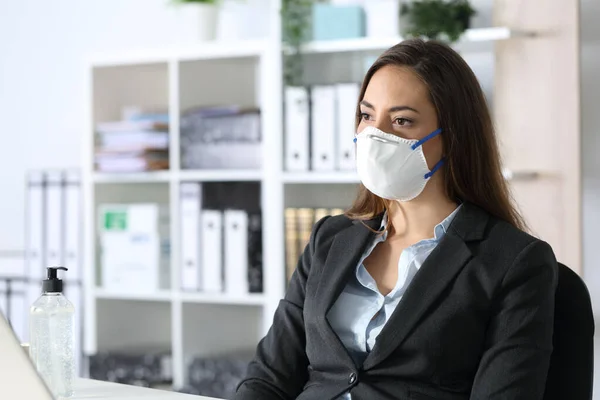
(352, 378)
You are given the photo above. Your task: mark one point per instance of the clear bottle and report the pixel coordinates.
(51, 336)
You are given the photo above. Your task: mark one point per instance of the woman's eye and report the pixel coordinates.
(365, 117)
(402, 121)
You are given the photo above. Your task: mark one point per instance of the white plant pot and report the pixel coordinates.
(242, 19)
(383, 18)
(207, 21)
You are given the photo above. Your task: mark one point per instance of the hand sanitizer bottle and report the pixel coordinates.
(51, 336)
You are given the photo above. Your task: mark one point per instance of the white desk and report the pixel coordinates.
(86, 389)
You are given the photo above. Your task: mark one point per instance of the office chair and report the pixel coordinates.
(571, 373)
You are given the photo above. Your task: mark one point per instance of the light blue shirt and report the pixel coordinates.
(361, 311)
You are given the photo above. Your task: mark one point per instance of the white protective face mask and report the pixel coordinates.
(391, 167)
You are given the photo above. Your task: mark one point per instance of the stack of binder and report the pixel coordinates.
(298, 227)
(53, 237)
(221, 247)
(320, 127)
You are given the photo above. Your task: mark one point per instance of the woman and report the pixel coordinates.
(427, 288)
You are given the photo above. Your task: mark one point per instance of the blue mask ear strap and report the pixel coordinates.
(426, 138)
(435, 168)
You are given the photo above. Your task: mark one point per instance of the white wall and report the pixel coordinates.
(43, 45)
(590, 92)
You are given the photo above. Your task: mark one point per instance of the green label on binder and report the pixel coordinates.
(115, 221)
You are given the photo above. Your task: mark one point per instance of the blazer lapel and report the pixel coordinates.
(342, 260)
(440, 268)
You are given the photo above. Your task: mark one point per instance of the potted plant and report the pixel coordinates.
(295, 19)
(207, 11)
(437, 19)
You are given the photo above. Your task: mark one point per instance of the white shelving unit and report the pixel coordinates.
(246, 73)
(172, 80)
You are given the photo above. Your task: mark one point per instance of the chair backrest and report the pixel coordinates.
(571, 373)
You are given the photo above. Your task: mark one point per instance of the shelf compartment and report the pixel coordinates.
(147, 324)
(237, 329)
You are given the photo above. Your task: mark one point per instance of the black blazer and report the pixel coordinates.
(475, 323)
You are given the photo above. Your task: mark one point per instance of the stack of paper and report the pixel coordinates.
(133, 145)
(227, 137)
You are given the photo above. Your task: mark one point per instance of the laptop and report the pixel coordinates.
(18, 377)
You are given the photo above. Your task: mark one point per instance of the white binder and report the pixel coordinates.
(323, 128)
(72, 226)
(297, 129)
(54, 214)
(190, 194)
(211, 279)
(35, 260)
(347, 99)
(236, 252)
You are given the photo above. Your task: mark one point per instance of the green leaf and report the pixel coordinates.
(437, 19)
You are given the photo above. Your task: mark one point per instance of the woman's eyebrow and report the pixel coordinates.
(392, 109)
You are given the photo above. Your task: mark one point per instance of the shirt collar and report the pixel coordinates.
(438, 231)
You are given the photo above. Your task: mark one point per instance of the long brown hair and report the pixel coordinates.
(472, 161)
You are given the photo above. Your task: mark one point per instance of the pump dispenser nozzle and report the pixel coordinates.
(52, 284)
